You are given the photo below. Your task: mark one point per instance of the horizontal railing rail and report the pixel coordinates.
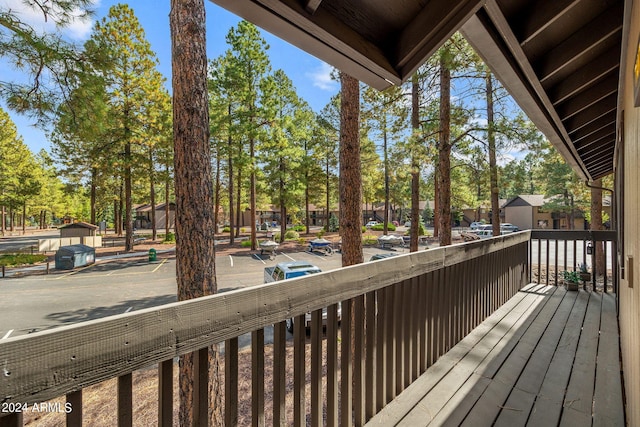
(551, 252)
(397, 316)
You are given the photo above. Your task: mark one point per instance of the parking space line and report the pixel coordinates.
(7, 334)
(259, 259)
(287, 256)
(129, 309)
(73, 272)
(156, 269)
(231, 259)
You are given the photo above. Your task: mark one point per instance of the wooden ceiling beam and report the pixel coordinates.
(588, 97)
(591, 131)
(604, 27)
(606, 106)
(435, 23)
(312, 5)
(541, 14)
(608, 62)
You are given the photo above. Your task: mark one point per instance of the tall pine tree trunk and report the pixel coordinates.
(152, 197)
(238, 196)
(350, 178)
(444, 155)
(415, 165)
(24, 217)
(493, 167)
(385, 227)
(94, 177)
(252, 195)
(231, 189)
(195, 251)
(217, 186)
(167, 224)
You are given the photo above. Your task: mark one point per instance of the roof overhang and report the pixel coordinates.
(560, 60)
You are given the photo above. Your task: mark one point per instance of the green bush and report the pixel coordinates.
(302, 241)
(421, 231)
(364, 229)
(320, 233)
(369, 239)
(291, 235)
(226, 229)
(380, 227)
(299, 227)
(245, 244)
(169, 238)
(11, 260)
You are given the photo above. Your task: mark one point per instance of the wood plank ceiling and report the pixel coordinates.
(560, 59)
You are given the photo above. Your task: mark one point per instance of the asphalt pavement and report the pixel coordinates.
(122, 284)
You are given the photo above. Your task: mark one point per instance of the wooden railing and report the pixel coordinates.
(397, 317)
(554, 251)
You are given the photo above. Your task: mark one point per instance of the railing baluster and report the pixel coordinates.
(540, 262)
(398, 334)
(316, 368)
(125, 401)
(416, 310)
(606, 270)
(547, 261)
(389, 335)
(74, 416)
(299, 336)
(594, 269)
(279, 373)
(14, 419)
(381, 349)
(407, 339)
(165, 393)
(423, 310)
(555, 260)
(332, 365)
(431, 319)
(201, 388)
(231, 382)
(370, 355)
(346, 371)
(358, 361)
(257, 378)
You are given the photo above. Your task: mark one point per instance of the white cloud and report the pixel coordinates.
(78, 29)
(321, 77)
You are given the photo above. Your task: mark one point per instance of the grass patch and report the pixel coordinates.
(14, 260)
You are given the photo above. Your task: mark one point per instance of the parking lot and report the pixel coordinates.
(40, 302)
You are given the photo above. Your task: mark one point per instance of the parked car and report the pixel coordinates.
(508, 227)
(371, 224)
(476, 224)
(380, 256)
(290, 270)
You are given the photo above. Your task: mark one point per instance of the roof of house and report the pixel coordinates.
(526, 200)
(80, 225)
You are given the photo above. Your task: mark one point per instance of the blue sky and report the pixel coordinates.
(309, 75)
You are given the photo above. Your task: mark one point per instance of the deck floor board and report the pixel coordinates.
(546, 357)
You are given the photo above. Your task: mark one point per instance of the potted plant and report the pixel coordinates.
(571, 280)
(585, 276)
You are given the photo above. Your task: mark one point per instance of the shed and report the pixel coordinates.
(72, 256)
(78, 229)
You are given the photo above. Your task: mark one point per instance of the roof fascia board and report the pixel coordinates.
(320, 36)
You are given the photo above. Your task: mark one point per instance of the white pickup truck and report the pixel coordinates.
(289, 270)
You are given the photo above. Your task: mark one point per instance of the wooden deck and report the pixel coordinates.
(547, 357)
